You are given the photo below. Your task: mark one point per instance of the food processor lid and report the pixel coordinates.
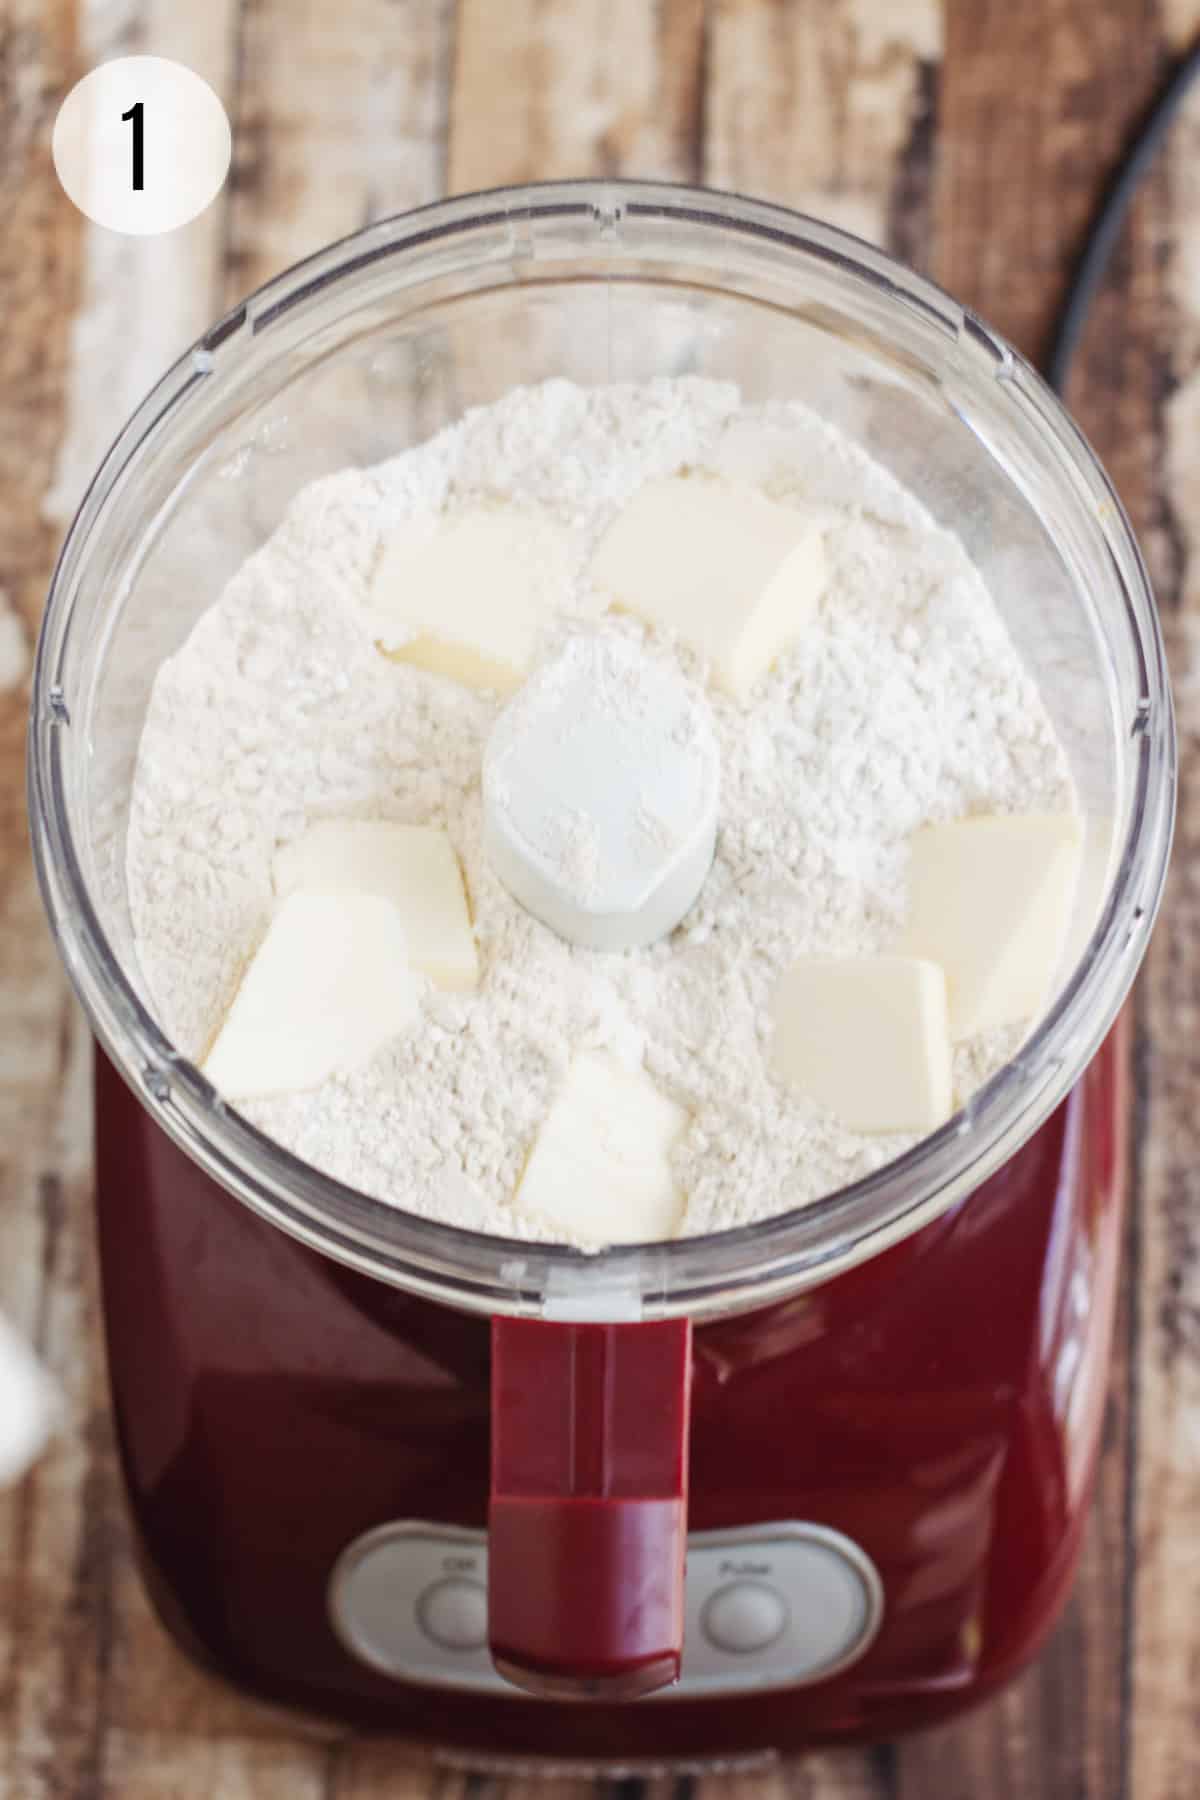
(625, 225)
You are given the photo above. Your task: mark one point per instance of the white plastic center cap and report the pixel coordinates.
(600, 787)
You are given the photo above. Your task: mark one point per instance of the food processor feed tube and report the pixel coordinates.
(896, 1388)
(587, 1527)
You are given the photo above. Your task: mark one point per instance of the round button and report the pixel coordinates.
(744, 1617)
(453, 1614)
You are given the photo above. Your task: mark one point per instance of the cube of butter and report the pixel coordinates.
(866, 1037)
(600, 1170)
(734, 574)
(413, 866)
(466, 596)
(990, 899)
(329, 985)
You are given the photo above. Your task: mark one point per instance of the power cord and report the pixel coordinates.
(1106, 224)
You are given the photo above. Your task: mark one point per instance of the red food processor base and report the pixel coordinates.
(888, 1474)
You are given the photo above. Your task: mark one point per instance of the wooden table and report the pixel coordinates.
(968, 139)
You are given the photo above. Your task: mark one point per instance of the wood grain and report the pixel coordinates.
(817, 103)
(583, 87)
(42, 1200)
(1165, 1643)
(339, 119)
(968, 137)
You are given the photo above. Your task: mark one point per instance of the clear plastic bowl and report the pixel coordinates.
(381, 340)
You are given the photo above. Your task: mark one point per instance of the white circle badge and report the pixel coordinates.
(142, 145)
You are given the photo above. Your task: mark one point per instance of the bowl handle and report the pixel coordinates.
(587, 1529)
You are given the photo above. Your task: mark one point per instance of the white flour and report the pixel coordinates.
(904, 702)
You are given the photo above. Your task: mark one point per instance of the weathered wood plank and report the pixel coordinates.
(585, 87)
(39, 1216)
(820, 104)
(1164, 1761)
(371, 1768)
(177, 1767)
(339, 120)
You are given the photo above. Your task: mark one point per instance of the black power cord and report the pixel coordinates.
(1105, 227)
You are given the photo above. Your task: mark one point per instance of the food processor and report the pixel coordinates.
(819, 1478)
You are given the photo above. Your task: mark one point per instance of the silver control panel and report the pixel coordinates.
(769, 1606)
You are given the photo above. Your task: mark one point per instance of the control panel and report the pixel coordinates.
(769, 1606)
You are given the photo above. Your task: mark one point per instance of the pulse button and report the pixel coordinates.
(453, 1614)
(744, 1617)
